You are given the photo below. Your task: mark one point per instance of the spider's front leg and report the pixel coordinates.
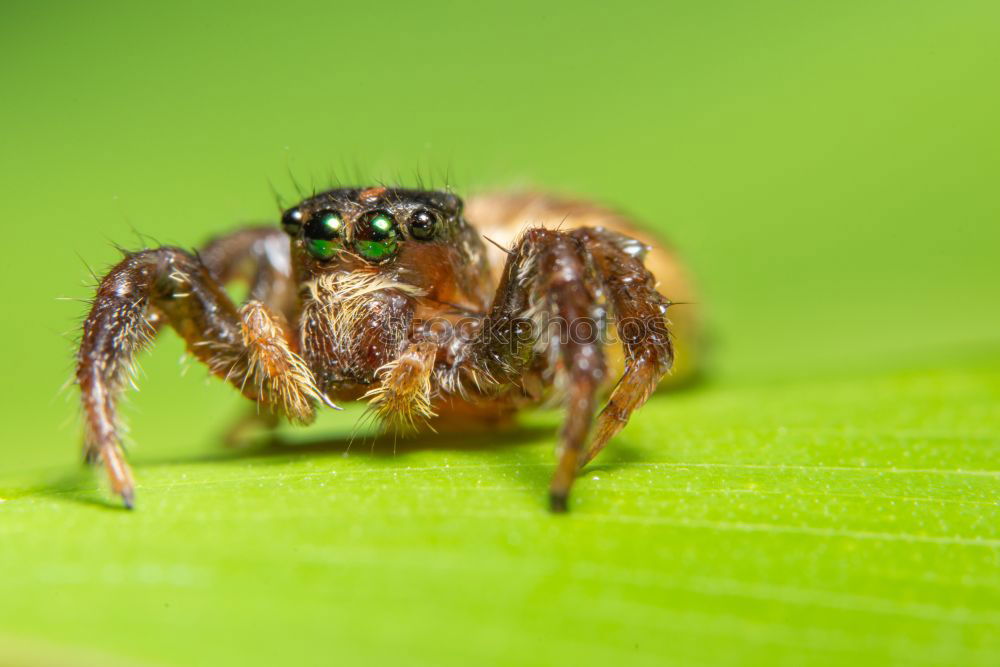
(560, 273)
(250, 347)
(547, 272)
(640, 314)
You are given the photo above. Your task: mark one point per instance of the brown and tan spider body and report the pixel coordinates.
(434, 312)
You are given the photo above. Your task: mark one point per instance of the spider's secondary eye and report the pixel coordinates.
(324, 234)
(424, 225)
(376, 237)
(291, 220)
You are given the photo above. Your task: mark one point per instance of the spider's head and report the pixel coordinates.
(414, 236)
(373, 224)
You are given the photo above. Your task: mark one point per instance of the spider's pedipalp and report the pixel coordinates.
(281, 376)
(402, 398)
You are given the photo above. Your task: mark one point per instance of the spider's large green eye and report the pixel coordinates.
(376, 236)
(324, 234)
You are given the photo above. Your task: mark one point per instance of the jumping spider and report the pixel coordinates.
(392, 296)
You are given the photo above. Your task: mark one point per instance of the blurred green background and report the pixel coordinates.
(828, 494)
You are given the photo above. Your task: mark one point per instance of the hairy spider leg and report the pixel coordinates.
(545, 273)
(640, 313)
(259, 256)
(250, 348)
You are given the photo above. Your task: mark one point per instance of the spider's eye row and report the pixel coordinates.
(376, 236)
(424, 225)
(291, 220)
(324, 234)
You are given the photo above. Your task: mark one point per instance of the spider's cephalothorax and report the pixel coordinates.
(393, 297)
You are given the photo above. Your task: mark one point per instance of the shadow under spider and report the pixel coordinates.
(78, 485)
(385, 445)
(476, 438)
(388, 446)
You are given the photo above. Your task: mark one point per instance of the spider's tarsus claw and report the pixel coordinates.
(128, 499)
(558, 502)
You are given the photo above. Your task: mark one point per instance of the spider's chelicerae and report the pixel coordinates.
(434, 312)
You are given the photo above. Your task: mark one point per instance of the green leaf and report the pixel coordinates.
(828, 495)
(853, 521)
